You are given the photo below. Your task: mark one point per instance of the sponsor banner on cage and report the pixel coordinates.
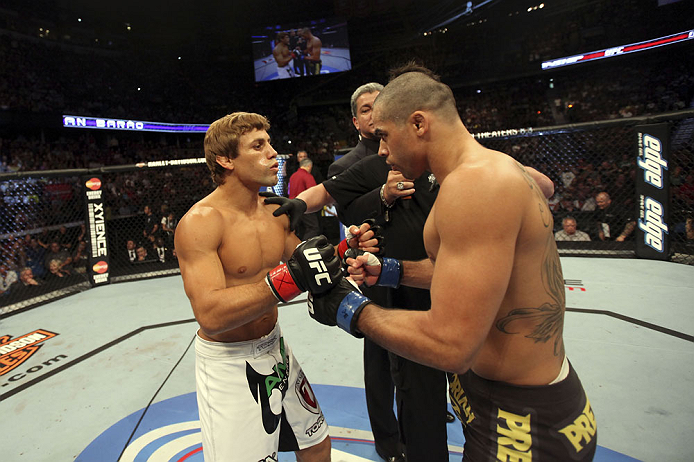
(98, 268)
(652, 192)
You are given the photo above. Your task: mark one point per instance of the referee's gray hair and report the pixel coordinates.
(366, 88)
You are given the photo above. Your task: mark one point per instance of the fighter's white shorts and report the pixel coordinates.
(254, 400)
(285, 72)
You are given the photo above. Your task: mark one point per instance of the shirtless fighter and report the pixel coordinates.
(253, 397)
(497, 289)
(313, 47)
(283, 56)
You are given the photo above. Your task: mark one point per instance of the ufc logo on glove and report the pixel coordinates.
(316, 262)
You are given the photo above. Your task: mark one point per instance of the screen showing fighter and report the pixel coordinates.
(302, 49)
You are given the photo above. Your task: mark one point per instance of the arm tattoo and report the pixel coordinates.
(542, 200)
(549, 317)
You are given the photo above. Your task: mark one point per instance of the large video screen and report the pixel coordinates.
(298, 50)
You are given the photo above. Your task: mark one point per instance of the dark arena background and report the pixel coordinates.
(104, 107)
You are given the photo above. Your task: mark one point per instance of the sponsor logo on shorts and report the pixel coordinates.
(305, 394)
(262, 386)
(514, 439)
(580, 433)
(14, 352)
(459, 402)
(316, 426)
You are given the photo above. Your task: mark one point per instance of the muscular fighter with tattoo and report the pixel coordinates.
(497, 290)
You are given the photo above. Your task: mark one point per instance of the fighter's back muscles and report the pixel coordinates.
(221, 308)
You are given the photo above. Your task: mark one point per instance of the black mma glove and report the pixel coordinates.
(293, 208)
(343, 246)
(313, 266)
(340, 306)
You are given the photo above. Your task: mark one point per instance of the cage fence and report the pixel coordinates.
(46, 235)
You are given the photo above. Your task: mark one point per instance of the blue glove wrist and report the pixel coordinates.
(391, 273)
(348, 312)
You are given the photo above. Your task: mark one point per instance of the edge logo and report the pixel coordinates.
(652, 224)
(14, 352)
(651, 160)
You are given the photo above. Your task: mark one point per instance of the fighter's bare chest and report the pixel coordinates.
(431, 237)
(250, 246)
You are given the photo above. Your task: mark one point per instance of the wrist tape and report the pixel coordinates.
(348, 312)
(391, 273)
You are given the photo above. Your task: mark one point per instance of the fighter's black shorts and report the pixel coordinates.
(520, 423)
(314, 67)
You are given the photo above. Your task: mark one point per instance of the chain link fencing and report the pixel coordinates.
(596, 168)
(47, 227)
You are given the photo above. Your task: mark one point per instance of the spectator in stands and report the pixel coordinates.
(299, 182)
(585, 202)
(65, 238)
(567, 204)
(684, 195)
(44, 239)
(159, 249)
(55, 271)
(142, 255)
(59, 254)
(608, 171)
(34, 258)
(151, 223)
(132, 253)
(83, 235)
(8, 279)
(569, 231)
(80, 258)
(168, 227)
(613, 224)
(27, 278)
(623, 190)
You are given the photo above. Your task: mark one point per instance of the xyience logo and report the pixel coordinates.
(652, 224)
(651, 160)
(100, 267)
(93, 184)
(14, 352)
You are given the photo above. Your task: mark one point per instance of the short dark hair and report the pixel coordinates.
(415, 88)
(411, 66)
